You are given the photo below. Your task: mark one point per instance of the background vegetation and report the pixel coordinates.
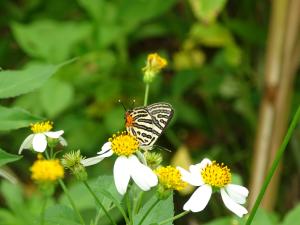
(215, 80)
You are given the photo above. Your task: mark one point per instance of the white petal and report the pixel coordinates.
(62, 141)
(26, 143)
(237, 189)
(91, 161)
(54, 134)
(189, 178)
(142, 175)
(39, 142)
(105, 148)
(200, 166)
(106, 154)
(232, 205)
(199, 199)
(237, 193)
(121, 174)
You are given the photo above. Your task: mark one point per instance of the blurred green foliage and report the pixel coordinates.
(215, 51)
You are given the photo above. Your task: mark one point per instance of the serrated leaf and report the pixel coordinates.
(15, 118)
(14, 83)
(6, 157)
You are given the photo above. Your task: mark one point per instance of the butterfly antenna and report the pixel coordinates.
(122, 104)
(162, 148)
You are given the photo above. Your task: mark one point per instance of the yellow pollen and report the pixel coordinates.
(124, 144)
(156, 62)
(217, 175)
(41, 127)
(44, 170)
(170, 178)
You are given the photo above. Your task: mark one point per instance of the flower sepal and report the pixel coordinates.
(162, 192)
(73, 162)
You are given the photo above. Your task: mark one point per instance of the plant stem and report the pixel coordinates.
(174, 217)
(99, 203)
(146, 94)
(47, 154)
(275, 163)
(128, 203)
(148, 211)
(43, 210)
(63, 186)
(138, 203)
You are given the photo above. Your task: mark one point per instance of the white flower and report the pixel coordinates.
(127, 165)
(38, 140)
(208, 175)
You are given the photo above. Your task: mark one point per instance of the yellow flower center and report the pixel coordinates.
(44, 170)
(155, 62)
(124, 144)
(41, 127)
(217, 175)
(170, 178)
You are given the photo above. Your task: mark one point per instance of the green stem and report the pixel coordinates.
(174, 217)
(47, 154)
(99, 203)
(148, 211)
(146, 94)
(43, 210)
(63, 186)
(139, 202)
(275, 163)
(128, 203)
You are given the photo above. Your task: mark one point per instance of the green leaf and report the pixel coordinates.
(15, 118)
(163, 210)
(221, 221)
(7, 157)
(13, 196)
(293, 216)
(60, 214)
(212, 35)
(14, 83)
(54, 102)
(50, 40)
(143, 10)
(207, 10)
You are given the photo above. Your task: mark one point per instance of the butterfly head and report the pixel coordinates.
(128, 119)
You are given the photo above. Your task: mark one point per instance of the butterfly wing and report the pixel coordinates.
(161, 114)
(141, 125)
(149, 122)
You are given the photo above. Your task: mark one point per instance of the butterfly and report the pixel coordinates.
(147, 123)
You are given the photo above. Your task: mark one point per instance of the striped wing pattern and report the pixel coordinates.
(149, 122)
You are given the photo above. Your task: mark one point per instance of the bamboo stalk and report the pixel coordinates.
(283, 99)
(267, 109)
(275, 107)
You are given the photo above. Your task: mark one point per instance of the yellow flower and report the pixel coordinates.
(153, 66)
(46, 170)
(170, 178)
(124, 144)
